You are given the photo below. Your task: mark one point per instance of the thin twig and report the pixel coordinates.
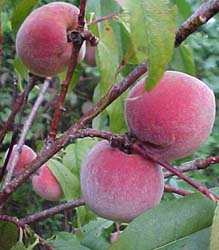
(12, 220)
(145, 153)
(206, 11)
(25, 130)
(51, 211)
(197, 164)
(170, 189)
(32, 81)
(76, 46)
(74, 131)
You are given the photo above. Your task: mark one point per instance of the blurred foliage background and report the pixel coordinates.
(199, 56)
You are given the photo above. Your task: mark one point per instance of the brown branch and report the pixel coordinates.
(197, 164)
(12, 220)
(74, 131)
(77, 39)
(81, 16)
(207, 10)
(148, 154)
(170, 189)
(59, 108)
(32, 81)
(51, 211)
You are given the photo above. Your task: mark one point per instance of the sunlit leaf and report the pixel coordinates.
(166, 223)
(152, 30)
(21, 11)
(214, 242)
(68, 181)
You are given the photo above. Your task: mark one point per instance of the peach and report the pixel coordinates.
(41, 41)
(175, 118)
(119, 186)
(90, 56)
(46, 185)
(26, 156)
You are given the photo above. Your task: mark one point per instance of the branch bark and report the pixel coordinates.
(51, 211)
(206, 11)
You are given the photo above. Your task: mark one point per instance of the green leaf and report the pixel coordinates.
(214, 242)
(68, 181)
(152, 30)
(22, 10)
(9, 235)
(197, 241)
(166, 223)
(75, 154)
(183, 60)
(84, 215)
(116, 115)
(21, 69)
(75, 77)
(18, 246)
(184, 10)
(65, 241)
(93, 237)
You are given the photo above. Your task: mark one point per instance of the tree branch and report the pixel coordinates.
(32, 81)
(170, 189)
(206, 11)
(51, 211)
(197, 164)
(77, 39)
(25, 130)
(74, 131)
(149, 154)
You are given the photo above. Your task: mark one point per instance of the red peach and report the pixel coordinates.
(119, 186)
(26, 156)
(90, 56)
(175, 118)
(46, 185)
(41, 41)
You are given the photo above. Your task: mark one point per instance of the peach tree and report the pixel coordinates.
(118, 165)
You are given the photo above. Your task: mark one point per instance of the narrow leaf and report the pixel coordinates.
(214, 242)
(65, 241)
(22, 10)
(152, 30)
(197, 241)
(166, 223)
(68, 181)
(183, 60)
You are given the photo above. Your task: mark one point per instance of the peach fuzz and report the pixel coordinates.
(46, 185)
(119, 186)
(41, 41)
(26, 156)
(175, 118)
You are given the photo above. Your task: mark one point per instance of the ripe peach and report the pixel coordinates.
(41, 41)
(175, 118)
(90, 56)
(46, 185)
(26, 156)
(119, 186)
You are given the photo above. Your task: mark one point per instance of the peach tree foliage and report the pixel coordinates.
(124, 38)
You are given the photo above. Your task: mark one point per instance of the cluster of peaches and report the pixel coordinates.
(174, 119)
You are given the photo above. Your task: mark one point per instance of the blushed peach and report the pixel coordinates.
(119, 186)
(41, 41)
(175, 118)
(46, 185)
(26, 156)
